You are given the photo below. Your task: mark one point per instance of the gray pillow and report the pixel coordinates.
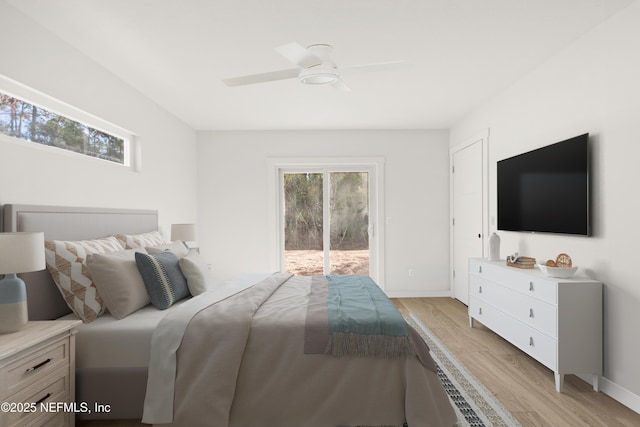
(118, 281)
(163, 278)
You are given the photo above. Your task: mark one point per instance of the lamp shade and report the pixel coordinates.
(183, 232)
(21, 252)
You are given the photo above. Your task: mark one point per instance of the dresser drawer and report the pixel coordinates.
(31, 366)
(530, 311)
(532, 283)
(533, 342)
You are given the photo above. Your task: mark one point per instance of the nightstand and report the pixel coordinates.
(37, 374)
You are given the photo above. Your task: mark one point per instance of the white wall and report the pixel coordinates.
(233, 200)
(167, 181)
(592, 86)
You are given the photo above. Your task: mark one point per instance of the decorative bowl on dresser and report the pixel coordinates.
(37, 374)
(557, 321)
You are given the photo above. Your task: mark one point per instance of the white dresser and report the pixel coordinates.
(556, 321)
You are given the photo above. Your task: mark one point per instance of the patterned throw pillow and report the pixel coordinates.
(67, 263)
(133, 241)
(163, 278)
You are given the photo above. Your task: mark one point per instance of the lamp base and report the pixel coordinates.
(13, 317)
(14, 314)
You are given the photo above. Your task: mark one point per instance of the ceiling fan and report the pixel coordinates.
(314, 66)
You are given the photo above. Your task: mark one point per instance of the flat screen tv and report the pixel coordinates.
(546, 190)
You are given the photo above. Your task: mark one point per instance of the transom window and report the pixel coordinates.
(20, 119)
(29, 116)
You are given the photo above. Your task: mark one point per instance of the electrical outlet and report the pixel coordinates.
(411, 272)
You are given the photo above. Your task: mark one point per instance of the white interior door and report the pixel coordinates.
(468, 231)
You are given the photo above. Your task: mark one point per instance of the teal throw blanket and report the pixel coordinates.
(363, 321)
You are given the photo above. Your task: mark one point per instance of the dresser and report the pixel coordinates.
(37, 370)
(558, 322)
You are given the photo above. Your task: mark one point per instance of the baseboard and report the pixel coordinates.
(412, 293)
(617, 392)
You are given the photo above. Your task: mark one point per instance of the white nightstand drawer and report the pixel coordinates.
(530, 311)
(527, 339)
(32, 366)
(59, 419)
(54, 388)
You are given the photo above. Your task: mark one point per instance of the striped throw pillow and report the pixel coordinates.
(163, 278)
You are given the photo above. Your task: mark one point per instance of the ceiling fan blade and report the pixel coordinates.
(262, 77)
(341, 85)
(378, 66)
(298, 55)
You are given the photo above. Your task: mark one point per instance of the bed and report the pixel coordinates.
(263, 371)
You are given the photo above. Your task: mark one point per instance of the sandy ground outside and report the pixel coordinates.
(309, 262)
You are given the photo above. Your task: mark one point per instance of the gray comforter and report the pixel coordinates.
(240, 362)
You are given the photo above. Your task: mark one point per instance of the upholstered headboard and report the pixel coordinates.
(68, 223)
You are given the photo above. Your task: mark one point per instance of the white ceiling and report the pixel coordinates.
(461, 52)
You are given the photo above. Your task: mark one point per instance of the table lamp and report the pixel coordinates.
(183, 232)
(19, 253)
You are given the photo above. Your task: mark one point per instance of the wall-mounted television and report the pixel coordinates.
(546, 190)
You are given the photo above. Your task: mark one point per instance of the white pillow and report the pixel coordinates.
(195, 269)
(132, 241)
(177, 247)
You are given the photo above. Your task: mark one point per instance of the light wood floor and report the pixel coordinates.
(524, 386)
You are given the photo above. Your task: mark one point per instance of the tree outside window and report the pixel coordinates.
(22, 120)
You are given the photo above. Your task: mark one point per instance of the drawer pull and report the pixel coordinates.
(531, 341)
(479, 289)
(480, 310)
(480, 269)
(46, 396)
(531, 313)
(531, 286)
(39, 365)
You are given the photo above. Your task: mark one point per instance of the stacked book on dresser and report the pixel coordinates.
(521, 261)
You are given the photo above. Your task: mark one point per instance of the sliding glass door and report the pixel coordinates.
(327, 221)
(303, 223)
(349, 223)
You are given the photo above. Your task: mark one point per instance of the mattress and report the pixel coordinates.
(126, 343)
(110, 343)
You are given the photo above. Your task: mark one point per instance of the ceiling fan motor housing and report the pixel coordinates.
(323, 73)
(319, 75)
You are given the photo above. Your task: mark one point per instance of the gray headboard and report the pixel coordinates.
(68, 223)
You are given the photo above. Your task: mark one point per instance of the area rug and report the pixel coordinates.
(475, 404)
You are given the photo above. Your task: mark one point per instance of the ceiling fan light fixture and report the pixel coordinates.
(318, 76)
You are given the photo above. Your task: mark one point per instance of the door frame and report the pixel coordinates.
(482, 137)
(276, 166)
